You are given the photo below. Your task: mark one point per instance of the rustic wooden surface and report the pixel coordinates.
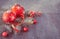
(48, 26)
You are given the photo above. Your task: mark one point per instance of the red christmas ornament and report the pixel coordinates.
(25, 29)
(5, 34)
(18, 10)
(34, 21)
(8, 16)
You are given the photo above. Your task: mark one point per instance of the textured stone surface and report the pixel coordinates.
(48, 26)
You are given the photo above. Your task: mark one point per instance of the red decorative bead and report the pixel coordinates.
(8, 16)
(18, 10)
(5, 34)
(34, 21)
(25, 29)
(32, 13)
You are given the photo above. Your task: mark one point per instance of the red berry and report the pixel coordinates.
(18, 10)
(31, 13)
(4, 34)
(8, 16)
(34, 21)
(25, 29)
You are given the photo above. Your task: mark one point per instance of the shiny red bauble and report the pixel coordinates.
(8, 16)
(34, 21)
(18, 10)
(25, 29)
(5, 34)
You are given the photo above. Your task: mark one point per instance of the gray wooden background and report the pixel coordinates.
(48, 26)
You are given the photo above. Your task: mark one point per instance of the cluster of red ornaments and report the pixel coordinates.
(17, 16)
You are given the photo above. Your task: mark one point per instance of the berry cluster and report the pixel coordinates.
(18, 19)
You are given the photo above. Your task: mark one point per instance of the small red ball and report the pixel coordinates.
(5, 34)
(34, 21)
(25, 29)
